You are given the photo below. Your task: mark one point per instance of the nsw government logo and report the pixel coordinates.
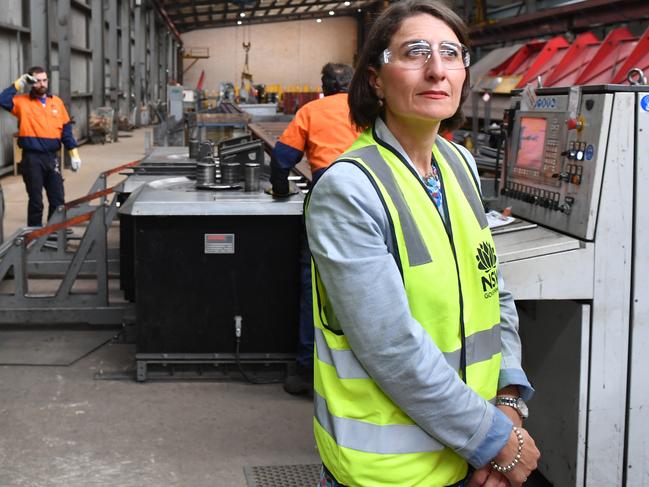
(486, 257)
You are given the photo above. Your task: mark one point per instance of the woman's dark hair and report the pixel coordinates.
(364, 105)
(336, 78)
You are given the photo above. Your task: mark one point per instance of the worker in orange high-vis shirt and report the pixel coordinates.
(44, 124)
(321, 130)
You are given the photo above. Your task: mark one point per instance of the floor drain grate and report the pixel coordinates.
(283, 475)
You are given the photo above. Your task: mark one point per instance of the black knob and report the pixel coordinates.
(565, 208)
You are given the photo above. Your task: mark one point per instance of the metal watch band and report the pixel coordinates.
(514, 402)
(507, 401)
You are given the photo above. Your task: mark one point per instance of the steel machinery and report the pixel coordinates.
(576, 176)
(213, 266)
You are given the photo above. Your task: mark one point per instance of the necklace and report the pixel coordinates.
(434, 186)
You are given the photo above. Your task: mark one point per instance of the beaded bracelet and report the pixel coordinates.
(517, 458)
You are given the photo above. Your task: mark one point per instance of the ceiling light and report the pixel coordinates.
(331, 12)
(359, 10)
(239, 22)
(347, 4)
(242, 14)
(318, 20)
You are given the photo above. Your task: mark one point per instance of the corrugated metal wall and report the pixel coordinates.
(13, 37)
(102, 68)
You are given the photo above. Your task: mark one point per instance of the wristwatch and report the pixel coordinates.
(514, 402)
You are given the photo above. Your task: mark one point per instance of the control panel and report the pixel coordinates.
(555, 160)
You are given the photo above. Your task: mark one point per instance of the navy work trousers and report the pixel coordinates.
(306, 331)
(41, 170)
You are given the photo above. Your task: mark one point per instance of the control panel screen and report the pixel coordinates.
(531, 145)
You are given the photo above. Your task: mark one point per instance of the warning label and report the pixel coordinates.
(219, 243)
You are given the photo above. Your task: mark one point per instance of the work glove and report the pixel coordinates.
(24, 80)
(75, 160)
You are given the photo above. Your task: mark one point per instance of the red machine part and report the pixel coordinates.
(638, 58)
(613, 51)
(552, 53)
(574, 61)
(520, 61)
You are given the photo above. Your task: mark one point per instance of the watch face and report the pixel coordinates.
(522, 407)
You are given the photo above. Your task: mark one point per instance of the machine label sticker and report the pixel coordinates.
(590, 152)
(644, 103)
(219, 243)
(546, 103)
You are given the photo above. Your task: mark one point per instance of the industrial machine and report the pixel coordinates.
(233, 252)
(576, 174)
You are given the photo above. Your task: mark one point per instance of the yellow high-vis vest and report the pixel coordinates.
(450, 279)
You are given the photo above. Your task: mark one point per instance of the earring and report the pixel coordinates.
(380, 102)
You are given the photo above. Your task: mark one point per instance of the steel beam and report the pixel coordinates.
(530, 6)
(64, 50)
(139, 60)
(154, 94)
(113, 88)
(164, 51)
(125, 55)
(98, 58)
(39, 32)
(574, 18)
(13, 28)
(179, 64)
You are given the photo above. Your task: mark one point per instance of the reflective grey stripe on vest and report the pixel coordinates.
(389, 439)
(480, 346)
(345, 362)
(464, 180)
(417, 251)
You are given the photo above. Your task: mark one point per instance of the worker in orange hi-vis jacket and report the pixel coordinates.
(44, 124)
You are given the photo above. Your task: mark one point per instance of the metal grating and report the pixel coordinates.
(283, 475)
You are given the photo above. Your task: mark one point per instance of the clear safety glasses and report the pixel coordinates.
(415, 54)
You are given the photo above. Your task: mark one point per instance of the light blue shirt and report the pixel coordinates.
(350, 239)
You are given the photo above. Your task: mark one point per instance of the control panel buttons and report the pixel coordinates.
(562, 176)
(575, 123)
(572, 123)
(534, 196)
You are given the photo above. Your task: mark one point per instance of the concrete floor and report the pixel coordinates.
(60, 427)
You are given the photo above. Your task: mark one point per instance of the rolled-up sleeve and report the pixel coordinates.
(348, 235)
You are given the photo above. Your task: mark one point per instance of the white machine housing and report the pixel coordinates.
(576, 174)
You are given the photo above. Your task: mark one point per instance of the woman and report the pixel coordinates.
(414, 331)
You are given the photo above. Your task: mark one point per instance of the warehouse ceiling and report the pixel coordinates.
(204, 14)
(491, 21)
